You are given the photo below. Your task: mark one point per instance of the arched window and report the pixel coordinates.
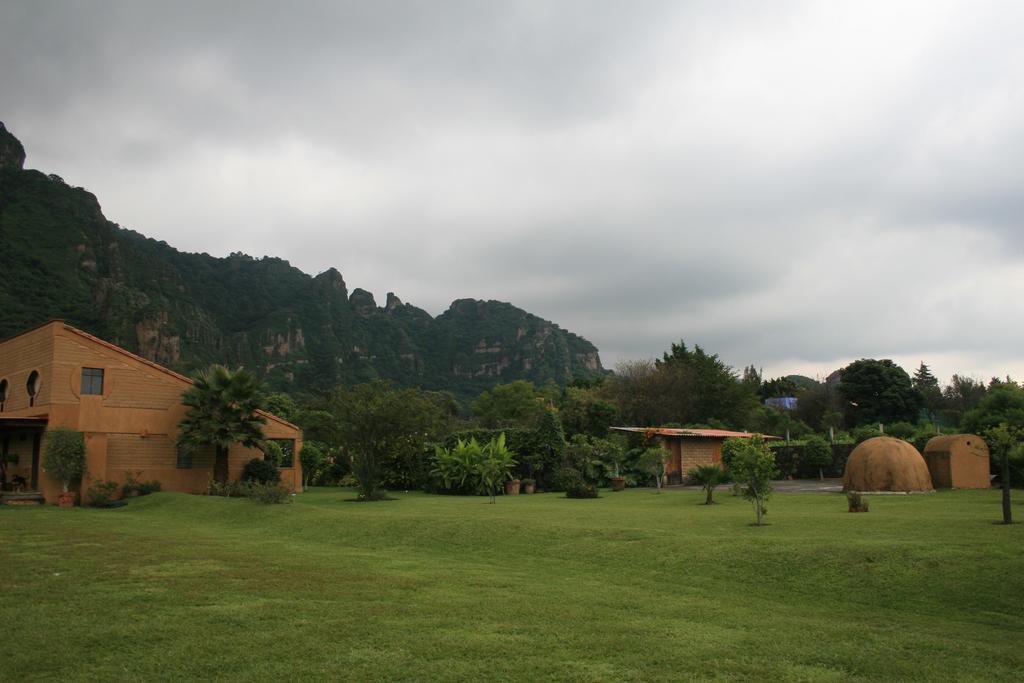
(3, 394)
(32, 386)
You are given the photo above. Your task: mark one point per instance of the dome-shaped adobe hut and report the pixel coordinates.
(958, 461)
(886, 464)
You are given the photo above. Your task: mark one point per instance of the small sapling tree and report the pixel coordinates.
(653, 461)
(753, 467)
(707, 477)
(313, 456)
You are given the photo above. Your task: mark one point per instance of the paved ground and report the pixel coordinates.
(792, 486)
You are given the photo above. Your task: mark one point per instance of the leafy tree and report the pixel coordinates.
(506, 405)
(877, 391)
(817, 453)
(653, 462)
(753, 467)
(962, 395)
(780, 387)
(999, 418)
(684, 386)
(64, 455)
(313, 456)
(550, 445)
(385, 432)
(707, 477)
(282, 405)
(927, 386)
(221, 411)
(582, 455)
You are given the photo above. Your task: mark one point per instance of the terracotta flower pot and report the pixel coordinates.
(512, 487)
(528, 486)
(618, 483)
(67, 499)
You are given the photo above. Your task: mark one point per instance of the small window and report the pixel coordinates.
(92, 381)
(32, 387)
(184, 458)
(3, 394)
(287, 454)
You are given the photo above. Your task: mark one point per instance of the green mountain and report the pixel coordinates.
(61, 258)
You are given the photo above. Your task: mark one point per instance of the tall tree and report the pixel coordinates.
(506, 405)
(222, 407)
(877, 391)
(927, 386)
(385, 432)
(960, 396)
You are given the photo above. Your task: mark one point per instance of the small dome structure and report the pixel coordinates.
(958, 461)
(886, 464)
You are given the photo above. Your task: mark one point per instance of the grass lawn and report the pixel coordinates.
(631, 586)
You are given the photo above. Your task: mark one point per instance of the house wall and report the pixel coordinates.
(131, 428)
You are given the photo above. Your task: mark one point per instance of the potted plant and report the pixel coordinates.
(64, 459)
(512, 487)
(529, 485)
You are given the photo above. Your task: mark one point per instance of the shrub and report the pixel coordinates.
(348, 481)
(863, 433)
(472, 468)
(856, 502)
(900, 430)
(269, 493)
(134, 487)
(817, 453)
(228, 489)
(261, 471)
(571, 480)
(101, 493)
(64, 455)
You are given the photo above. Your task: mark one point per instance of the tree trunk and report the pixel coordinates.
(710, 490)
(821, 474)
(220, 466)
(757, 506)
(1007, 514)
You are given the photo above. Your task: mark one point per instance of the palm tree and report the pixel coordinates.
(707, 477)
(221, 411)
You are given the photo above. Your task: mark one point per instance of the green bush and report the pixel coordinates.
(707, 477)
(269, 493)
(863, 433)
(101, 493)
(472, 468)
(261, 471)
(229, 489)
(572, 481)
(134, 487)
(900, 430)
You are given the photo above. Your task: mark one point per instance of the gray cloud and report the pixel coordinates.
(789, 184)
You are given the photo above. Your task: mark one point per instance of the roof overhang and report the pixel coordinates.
(38, 422)
(696, 433)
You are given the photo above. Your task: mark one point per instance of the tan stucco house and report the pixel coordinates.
(127, 407)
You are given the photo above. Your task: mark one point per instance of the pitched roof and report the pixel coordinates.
(700, 433)
(140, 359)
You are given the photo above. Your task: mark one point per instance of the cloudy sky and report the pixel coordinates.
(794, 185)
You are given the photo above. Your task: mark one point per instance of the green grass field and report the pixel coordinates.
(631, 586)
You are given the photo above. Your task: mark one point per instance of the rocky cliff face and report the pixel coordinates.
(63, 259)
(12, 154)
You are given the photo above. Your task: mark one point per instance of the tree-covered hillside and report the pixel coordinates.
(62, 258)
